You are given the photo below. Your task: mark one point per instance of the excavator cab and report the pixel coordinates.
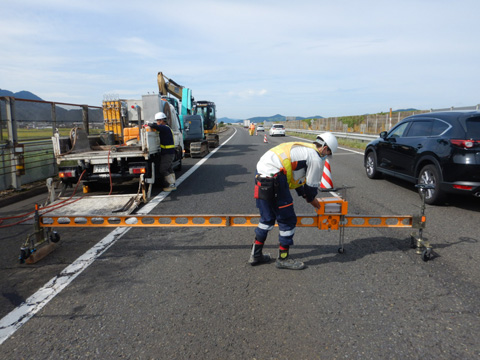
(207, 110)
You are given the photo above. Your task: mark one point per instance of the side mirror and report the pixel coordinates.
(383, 135)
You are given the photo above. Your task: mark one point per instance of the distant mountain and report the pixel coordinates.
(280, 118)
(399, 110)
(20, 95)
(261, 119)
(227, 120)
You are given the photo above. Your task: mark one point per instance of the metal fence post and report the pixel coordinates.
(85, 118)
(54, 118)
(12, 138)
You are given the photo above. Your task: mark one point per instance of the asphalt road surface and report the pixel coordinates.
(188, 292)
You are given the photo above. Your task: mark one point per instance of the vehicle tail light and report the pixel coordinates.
(138, 170)
(462, 187)
(466, 144)
(67, 174)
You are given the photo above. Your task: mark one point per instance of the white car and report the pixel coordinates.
(260, 128)
(277, 129)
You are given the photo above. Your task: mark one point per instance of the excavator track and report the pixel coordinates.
(213, 140)
(199, 149)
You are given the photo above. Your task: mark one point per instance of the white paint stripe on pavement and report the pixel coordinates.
(25, 311)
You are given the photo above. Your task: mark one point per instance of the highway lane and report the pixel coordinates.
(188, 292)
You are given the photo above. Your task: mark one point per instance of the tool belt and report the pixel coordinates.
(265, 188)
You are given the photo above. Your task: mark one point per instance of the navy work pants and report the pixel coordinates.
(279, 209)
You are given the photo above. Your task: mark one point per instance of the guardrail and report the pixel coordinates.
(343, 135)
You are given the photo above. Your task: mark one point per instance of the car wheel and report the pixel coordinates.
(371, 166)
(430, 175)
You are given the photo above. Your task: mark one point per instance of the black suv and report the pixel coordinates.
(441, 149)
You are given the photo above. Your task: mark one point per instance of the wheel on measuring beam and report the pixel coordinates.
(427, 254)
(341, 250)
(24, 254)
(54, 237)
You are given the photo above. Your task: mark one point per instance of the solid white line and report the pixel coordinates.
(25, 311)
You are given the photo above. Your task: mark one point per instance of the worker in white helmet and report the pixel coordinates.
(167, 154)
(292, 165)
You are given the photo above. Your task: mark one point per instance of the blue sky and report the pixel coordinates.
(252, 58)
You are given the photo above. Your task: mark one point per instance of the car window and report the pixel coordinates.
(278, 126)
(399, 130)
(473, 128)
(439, 127)
(420, 128)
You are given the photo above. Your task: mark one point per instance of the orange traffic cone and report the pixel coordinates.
(326, 182)
(265, 139)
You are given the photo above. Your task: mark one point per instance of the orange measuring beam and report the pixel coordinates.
(323, 222)
(162, 221)
(332, 215)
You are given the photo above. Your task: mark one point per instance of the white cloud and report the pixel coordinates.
(247, 94)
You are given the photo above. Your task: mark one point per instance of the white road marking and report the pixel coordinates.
(25, 311)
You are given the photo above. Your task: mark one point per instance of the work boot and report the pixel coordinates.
(170, 179)
(284, 261)
(256, 256)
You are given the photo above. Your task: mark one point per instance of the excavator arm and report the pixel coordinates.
(168, 86)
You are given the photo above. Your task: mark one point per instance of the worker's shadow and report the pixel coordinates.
(359, 248)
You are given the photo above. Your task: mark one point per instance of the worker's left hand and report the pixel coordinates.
(315, 203)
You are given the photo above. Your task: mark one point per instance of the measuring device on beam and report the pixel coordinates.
(331, 215)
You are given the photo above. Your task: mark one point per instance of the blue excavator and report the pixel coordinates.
(198, 119)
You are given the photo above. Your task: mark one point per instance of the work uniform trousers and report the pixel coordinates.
(166, 168)
(279, 209)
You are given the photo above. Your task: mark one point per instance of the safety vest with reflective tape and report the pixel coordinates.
(283, 152)
(170, 146)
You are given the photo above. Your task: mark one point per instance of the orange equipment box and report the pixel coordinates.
(332, 205)
(331, 212)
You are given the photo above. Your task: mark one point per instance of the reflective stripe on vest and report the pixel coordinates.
(283, 152)
(169, 146)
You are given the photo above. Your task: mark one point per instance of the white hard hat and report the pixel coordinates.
(160, 116)
(328, 139)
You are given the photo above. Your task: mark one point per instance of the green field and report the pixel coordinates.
(40, 134)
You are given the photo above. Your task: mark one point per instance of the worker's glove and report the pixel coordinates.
(315, 203)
